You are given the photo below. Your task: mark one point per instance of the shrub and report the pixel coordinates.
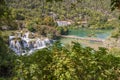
(77, 63)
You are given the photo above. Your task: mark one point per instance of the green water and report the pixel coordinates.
(102, 34)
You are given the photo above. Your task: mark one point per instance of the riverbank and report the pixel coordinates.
(83, 38)
(95, 43)
(84, 43)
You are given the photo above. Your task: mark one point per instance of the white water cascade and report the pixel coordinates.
(24, 45)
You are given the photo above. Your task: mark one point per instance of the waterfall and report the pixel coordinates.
(43, 44)
(12, 43)
(27, 35)
(47, 41)
(38, 43)
(18, 47)
(27, 44)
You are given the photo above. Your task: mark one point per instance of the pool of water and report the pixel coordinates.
(102, 34)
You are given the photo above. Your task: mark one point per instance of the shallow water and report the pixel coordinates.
(102, 34)
(84, 43)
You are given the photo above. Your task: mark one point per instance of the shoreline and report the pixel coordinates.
(86, 43)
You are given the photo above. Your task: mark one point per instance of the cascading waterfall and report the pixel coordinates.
(25, 45)
(18, 46)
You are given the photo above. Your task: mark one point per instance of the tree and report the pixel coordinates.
(2, 7)
(76, 63)
(6, 56)
(3, 10)
(115, 4)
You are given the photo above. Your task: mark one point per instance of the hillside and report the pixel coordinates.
(70, 9)
(28, 25)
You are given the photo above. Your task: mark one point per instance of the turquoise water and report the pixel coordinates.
(102, 34)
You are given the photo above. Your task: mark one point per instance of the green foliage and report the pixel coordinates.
(74, 9)
(59, 63)
(53, 0)
(116, 33)
(115, 4)
(48, 31)
(31, 26)
(48, 21)
(96, 13)
(6, 60)
(63, 30)
(6, 16)
(31, 29)
(115, 51)
(2, 7)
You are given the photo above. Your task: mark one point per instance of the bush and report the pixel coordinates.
(48, 21)
(6, 61)
(31, 26)
(31, 29)
(77, 63)
(116, 33)
(63, 30)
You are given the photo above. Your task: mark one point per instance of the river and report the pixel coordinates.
(81, 32)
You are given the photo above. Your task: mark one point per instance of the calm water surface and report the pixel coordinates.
(102, 34)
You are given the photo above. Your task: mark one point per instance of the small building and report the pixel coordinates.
(63, 23)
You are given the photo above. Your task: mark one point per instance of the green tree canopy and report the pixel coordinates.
(115, 4)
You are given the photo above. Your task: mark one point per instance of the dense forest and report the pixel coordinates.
(58, 62)
(96, 14)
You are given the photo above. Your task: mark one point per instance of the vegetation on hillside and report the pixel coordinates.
(57, 62)
(74, 63)
(115, 4)
(96, 13)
